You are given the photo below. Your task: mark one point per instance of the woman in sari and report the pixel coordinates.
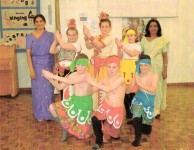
(156, 46)
(38, 44)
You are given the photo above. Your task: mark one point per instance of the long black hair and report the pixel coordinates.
(41, 16)
(159, 33)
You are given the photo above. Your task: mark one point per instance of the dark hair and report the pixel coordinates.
(159, 33)
(41, 16)
(71, 29)
(105, 20)
(143, 56)
(81, 55)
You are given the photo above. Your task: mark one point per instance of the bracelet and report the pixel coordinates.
(91, 38)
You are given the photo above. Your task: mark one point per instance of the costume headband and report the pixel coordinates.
(144, 61)
(130, 31)
(72, 23)
(80, 61)
(113, 59)
(103, 15)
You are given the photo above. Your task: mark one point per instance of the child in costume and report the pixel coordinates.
(73, 114)
(102, 46)
(128, 52)
(67, 52)
(107, 119)
(143, 102)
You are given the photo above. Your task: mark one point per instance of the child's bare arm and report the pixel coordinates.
(71, 79)
(57, 85)
(86, 32)
(152, 87)
(119, 46)
(129, 52)
(110, 88)
(53, 48)
(65, 46)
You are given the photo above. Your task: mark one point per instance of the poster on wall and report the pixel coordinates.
(17, 37)
(18, 18)
(18, 3)
(138, 24)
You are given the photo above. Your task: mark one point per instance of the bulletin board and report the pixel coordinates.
(16, 20)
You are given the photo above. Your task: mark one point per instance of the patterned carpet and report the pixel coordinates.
(174, 131)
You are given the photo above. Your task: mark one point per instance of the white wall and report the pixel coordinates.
(179, 30)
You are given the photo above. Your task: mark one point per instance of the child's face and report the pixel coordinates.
(144, 68)
(72, 36)
(131, 38)
(105, 28)
(81, 69)
(112, 69)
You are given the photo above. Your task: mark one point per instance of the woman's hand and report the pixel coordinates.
(32, 74)
(164, 74)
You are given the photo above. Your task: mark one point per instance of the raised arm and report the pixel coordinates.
(53, 48)
(91, 41)
(88, 43)
(65, 46)
(119, 47)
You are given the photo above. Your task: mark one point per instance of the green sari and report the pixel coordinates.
(154, 49)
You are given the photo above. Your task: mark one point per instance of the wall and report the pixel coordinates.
(179, 30)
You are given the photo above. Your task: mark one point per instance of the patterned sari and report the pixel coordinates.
(42, 90)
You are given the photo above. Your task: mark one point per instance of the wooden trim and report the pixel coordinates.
(181, 84)
(25, 90)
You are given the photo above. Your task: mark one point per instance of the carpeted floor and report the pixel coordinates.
(174, 131)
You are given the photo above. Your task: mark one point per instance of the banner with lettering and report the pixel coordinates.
(16, 20)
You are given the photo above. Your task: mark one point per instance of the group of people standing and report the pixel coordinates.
(134, 80)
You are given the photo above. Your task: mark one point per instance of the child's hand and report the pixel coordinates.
(118, 42)
(47, 74)
(58, 35)
(86, 31)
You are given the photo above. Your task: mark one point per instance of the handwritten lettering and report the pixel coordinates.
(18, 18)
